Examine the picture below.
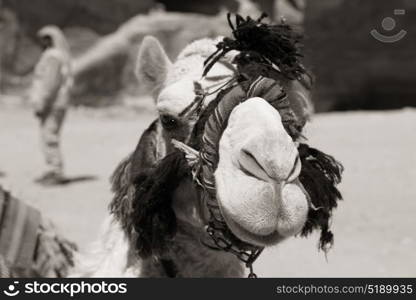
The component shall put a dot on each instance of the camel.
(160, 225)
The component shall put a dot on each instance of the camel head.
(173, 84)
(255, 166)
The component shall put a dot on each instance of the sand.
(374, 226)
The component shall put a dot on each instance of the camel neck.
(190, 258)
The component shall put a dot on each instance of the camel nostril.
(249, 164)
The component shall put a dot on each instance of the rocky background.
(352, 69)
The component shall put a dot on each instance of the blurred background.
(348, 64)
(364, 93)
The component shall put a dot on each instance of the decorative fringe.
(319, 176)
(273, 47)
(153, 217)
(143, 158)
(120, 206)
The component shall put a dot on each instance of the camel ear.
(152, 64)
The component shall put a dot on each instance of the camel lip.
(266, 238)
(254, 238)
(260, 239)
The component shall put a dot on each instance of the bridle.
(220, 236)
(319, 175)
(248, 257)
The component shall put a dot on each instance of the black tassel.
(320, 175)
(276, 47)
(153, 216)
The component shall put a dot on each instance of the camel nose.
(249, 164)
(266, 150)
(256, 174)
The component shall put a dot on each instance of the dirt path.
(374, 227)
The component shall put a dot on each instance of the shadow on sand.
(78, 179)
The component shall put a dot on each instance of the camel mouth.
(261, 240)
(273, 211)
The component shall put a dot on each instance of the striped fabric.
(19, 225)
(29, 244)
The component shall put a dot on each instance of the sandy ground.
(374, 226)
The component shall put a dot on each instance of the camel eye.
(169, 122)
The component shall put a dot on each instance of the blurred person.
(50, 95)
